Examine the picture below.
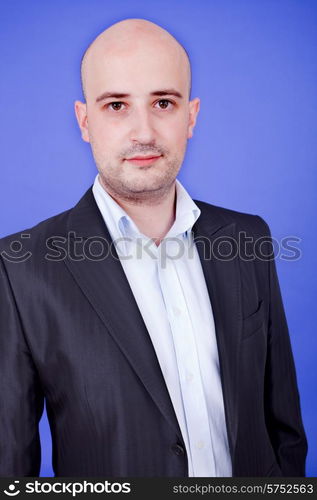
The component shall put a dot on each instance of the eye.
(164, 103)
(115, 106)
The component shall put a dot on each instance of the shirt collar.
(121, 225)
(187, 212)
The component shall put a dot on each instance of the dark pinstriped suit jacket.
(71, 333)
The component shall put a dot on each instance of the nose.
(142, 127)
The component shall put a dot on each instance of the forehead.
(137, 69)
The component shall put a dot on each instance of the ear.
(194, 106)
(81, 115)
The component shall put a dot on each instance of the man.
(158, 351)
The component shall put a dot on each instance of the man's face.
(137, 106)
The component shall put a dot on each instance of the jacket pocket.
(253, 323)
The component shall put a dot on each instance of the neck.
(153, 217)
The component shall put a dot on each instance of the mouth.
(143, 161)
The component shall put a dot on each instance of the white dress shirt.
(170, 289)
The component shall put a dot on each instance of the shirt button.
(177, 311)
(200, 445)
(178, 449)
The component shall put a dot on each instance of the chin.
(144, 187)
(144, 181)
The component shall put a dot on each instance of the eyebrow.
(159, 93)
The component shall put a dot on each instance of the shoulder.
(53, 226)
(57, 225)
(250, 223)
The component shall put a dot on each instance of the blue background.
(254, 148)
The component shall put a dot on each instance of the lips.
(143, 160)
(143, 157)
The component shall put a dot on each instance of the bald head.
(136, 83)
(130, 37)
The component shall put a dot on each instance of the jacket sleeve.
(21, 398)
(282, 402)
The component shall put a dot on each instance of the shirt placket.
(194, 403)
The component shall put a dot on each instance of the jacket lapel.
(212, 236)
(106, 287)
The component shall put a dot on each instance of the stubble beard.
(138, 185)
